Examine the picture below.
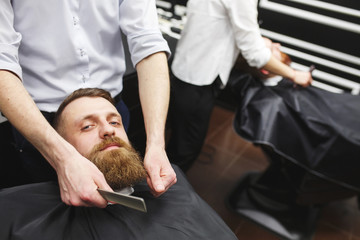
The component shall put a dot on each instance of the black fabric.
(11, 172)
(190, 110)
(272, 208)
(33, 163)
(315, 129)
(35, 211)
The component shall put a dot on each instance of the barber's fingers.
(69, 196)
(303, 79)
(169, 178)
(102, 184)
(86, 196)
(155, 182)
(79, 187)
(160, 179)
(310, 79)
(156, 192)
(149, 182)
(276, 46)
(161, 175)
(91, 196)
(85, 200)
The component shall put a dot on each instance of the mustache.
(116, 141)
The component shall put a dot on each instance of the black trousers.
(190, 110)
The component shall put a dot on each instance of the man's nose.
(107, 131)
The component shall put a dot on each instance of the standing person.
(48, 51)
(215, 33)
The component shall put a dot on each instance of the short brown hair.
(82, 92)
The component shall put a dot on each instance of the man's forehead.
(89, 107)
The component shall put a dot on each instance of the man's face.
(94, 127)
(87, 121)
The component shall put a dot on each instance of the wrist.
(155, 138)
(61, 152)
(155, 144)
(293, 75)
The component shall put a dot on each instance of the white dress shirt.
(57, 46)
(213, 36)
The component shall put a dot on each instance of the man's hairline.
(60, 126)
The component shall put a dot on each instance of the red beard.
(122, 167)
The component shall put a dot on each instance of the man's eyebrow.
(82, 119)
(93, 116)
(113, 114)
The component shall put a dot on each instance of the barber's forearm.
(276, 67)
(302, 78)
(19, 108)
(17, 105)
(154, 88)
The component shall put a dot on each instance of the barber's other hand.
(302, 78)
(78, 181)
(161, 175)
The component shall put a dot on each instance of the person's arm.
(154, 88)
(243, 18)
(78, 177)
(277, 67)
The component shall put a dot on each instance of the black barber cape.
(311, 127)
(35, 211)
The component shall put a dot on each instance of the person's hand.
(161, 175)
(302, 78)
(78, 181)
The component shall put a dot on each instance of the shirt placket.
(80, 43)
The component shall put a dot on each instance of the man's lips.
(110, 146)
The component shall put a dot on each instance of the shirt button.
(75, 20)
(82, 52)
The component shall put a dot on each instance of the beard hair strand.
(122, 167)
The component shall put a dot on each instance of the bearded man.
(90, 122)
(86, 118)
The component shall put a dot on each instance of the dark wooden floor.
(226, 157)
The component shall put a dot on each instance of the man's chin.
(121, 166)
(110, 148)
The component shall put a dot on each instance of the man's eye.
(114, 123)
(86, 127)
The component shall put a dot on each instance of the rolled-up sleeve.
(9, 40)
(139, 22)
(243, 15)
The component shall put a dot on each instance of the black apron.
(35, 211)
(313, 128)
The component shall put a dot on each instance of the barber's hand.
(302, 78)
(78, 180)
(161, 175)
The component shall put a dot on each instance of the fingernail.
(160, 187)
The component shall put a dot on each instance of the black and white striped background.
(324, 33)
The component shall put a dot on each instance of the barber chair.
(312, 162)
(285, 199)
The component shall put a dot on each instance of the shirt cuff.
(146, 45)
